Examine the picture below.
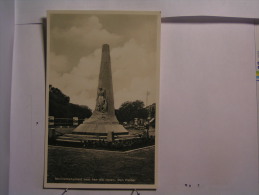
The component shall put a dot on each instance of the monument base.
(100, 124)
(100, 129)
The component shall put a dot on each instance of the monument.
(103, 120)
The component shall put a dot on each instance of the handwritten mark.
(65, 191)
(135, 190)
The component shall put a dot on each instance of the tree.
(130, 110)
(152, 113)
(152, 110)
(59, 106)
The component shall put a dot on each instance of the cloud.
(76, 56)
(59, 63)
(86, 37)
(81, 83)
(136, 91)
(133, 70)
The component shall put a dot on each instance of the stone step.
(84, 136)
(126, 138)
(68, 140)
(78, 138)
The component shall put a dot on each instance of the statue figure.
(101, 103)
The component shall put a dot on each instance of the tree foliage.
(59, 106)
(152, 110)
(130, 110)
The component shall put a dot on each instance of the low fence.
(59, 122)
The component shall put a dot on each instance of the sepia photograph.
(102, 99)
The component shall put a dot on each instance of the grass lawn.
(79, 165)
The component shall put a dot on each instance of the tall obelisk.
(103, 119)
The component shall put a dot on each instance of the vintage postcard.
(102, 96)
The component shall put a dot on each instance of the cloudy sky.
(75, 55)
